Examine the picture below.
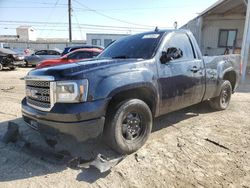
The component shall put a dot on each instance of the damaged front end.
(99, 156)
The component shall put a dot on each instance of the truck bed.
(215, 60)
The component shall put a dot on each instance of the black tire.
(222, 101)
(26, 64)
(128, 126)
(12, 68)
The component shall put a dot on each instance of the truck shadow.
(18, 163)
(180, 115)
(20, 160)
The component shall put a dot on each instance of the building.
(39, 45)
(9, 37)
(26, 38)
(101, 39)
(26, 33)
(224, 27)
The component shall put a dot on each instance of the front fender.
(130, 80)
(111, 85)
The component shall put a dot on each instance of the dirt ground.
(194, 147)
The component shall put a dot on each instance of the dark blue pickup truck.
(119, 93)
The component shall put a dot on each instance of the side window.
(41, 52)
(83, 55)
(73, 55)
(182, 42)
(52, 52)
(80, 55)
(95, 54)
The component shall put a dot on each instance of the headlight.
(71, 91)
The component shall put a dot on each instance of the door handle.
(194, 69)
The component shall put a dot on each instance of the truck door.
(181, 80)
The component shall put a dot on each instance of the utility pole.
(245, 44)
(175, 25)
(70, 29)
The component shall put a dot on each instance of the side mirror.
(171, 54)
(165, 57)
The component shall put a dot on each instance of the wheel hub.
(131, 127)
(225, 96)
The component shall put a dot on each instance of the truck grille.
(38, 94)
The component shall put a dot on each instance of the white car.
(41, 55)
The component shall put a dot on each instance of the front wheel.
(128, 126)
(26, 63)
(222, 101)
(12, 67)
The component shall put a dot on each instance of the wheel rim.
(1, 66)
(225, 96)
(132, 126)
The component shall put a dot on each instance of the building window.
(227, 37)
(96, 42)
(107, 42)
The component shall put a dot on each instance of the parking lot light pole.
(70, 29)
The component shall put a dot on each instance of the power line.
(75, 16)
(61, 24)
(55, 27)
(128, 9)
(107, 16)
(50, 14)
(30, 7)
(35, 2)
(74, 29)
(60, 5)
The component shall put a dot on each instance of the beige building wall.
(26, 33)
(211, 28)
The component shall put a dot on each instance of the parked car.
(19, 56)
(7, 59)
(76, 55)
(72, 48)
(41, 55)
(134, 80)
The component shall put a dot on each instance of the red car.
(76, 55)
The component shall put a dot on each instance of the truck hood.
(80, 69)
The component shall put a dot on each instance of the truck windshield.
(135, 46)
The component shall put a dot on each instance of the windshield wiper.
(120, 57)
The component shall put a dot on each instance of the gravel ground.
(194, 147)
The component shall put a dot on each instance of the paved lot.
(194, 147)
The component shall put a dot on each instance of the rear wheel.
(11, 64)
(128, 126)
(1, 66)
(222, 101)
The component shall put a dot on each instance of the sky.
(50, 17)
